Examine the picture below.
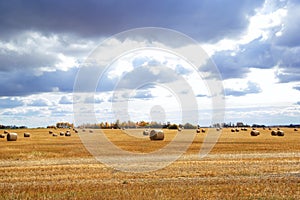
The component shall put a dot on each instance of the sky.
(254, 44)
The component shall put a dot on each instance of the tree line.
(140, 124)
(12, 127)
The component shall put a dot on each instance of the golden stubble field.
(238, 167)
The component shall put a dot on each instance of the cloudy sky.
(255, 45)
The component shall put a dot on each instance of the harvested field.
(238, 167)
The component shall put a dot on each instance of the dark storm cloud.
(261, 54)
(235, 64)
(289, 63)
(204, 20)
(265, 53)
(144, 75)
(94, 78)
(24, 82)
(252, 88)
(34, 34)
(229, 65)
(289, 75)
(290, 34)
(31, 50)
(287, 46)
(11, 60)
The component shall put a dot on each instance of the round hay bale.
(274, 133)
(280, 133)
(295, 129)
(26, 134)
(54, 135)
(50, 132)
(6, 132)
(218, 129)
(91, 131)
(254, 133)
(76, 131)
(2, 135)
(203, 130)
(278, 129)
(12, 137)
(83, 130)
(253, 129)
(198, 131)
(146, 132)
(270, 129)
(68, 133)
(157, 135)
(61, 133)
(232, 130)
(237, 130)
(179, 129)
